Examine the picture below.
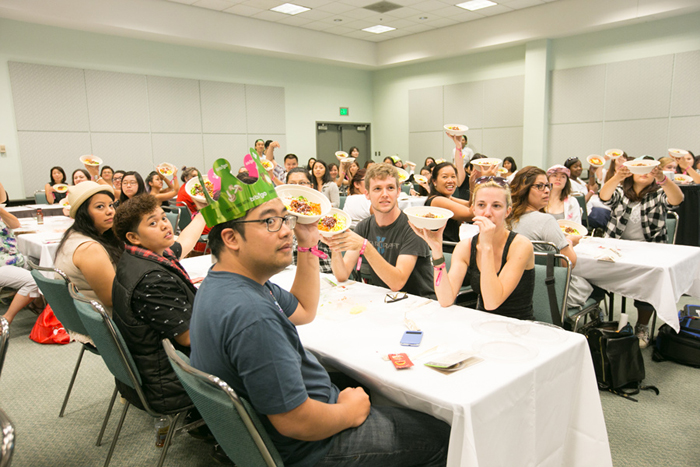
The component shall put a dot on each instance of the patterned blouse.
(9, 254)
(653, 209)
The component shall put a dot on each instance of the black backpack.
(682, 347)
(617, 359)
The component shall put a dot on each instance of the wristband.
(439, 261)
(439, 270)
(362, 252)
(314, 251)
(663, 180)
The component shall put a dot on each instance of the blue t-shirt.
(240, 331)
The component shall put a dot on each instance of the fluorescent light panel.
(290, 9)
(476, 4)
(378, 29)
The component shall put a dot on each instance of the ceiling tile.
(397, 23)
(309, 3)
(265, 4)
(217, 5)
(519, 4)
(357, 34)
(406, 2)
(441, 22)
(359, 3)
(448, 12)
(336, 7)
(359, 24)
(418, 28)
(494, 10)
(339, 30)
(404, 13)
(315, 14)
(317, 26)
(360, 13)
(186, 2)
(268, 15)
(243, 10)
(295, 20)
(429, 5)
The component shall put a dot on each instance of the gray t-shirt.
(399, 239)
(240, 331)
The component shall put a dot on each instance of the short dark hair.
(60, 169)
(142, 186)
(131, 212)
(85, 172)
(216, 243)
(291, 156)
(299, 170)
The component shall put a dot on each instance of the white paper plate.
(595, 160)
(89, 159)
(505, 350)
(191, 184)
(415, 215)
(420, 178)
(641, 166)
(486, 162)
(166, 169)
(614, 153)
(682, 178)
(574, 225)
(339, 214)
(403, 175)
(459, 131)
(544, 333)
(287, 192)
(677, 153)
(60, 188)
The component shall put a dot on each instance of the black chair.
(4, 340)
(7, 446)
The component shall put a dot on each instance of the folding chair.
(584, 211)
(58, 297)
(40, 197)
(118, 359)
(540, 298)
(8, 440)
(672, 231)
(230, 418)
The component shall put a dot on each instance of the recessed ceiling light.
(476, 4)
(290, 9)
(378, 29)
(423, 17)
(337, 20)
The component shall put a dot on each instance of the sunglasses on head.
(500, 181)
(572, 159)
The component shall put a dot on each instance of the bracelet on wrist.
(437, 262)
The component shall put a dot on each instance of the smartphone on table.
(412, 338)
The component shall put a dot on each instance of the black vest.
(158, 380)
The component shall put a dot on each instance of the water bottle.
(39, 216)
(162, 426)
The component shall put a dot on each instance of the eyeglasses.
(500, 181)
(299, 183)
(129, 183)
(274, 224)
(542, 186)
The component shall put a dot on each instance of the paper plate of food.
(502, 170)
(403, 175)
(64, 203)
(89, 159)
(305, 203)
(455, 129)
(60, 188)
(486, 162)
(428, 217)
(420, 178)
(572, 228)
(677, 153)
(439, 161)
(682, 178)
(194, 188)
(166, 169)
(641, 166)
(614, 153)
(333, 223)
(342, 155)
(267, 165)
(595, 160)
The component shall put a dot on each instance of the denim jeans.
(391, 436)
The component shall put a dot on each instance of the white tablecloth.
(532, 401)
(29, 210)
(44, 243)
(657, 273)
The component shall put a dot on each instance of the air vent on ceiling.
(382, 7)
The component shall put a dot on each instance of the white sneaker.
(642, 333)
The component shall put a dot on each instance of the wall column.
(536, 103)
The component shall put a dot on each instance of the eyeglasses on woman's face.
(129, 183)
(542, 186)
(299, 182)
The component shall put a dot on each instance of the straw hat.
(78, 194)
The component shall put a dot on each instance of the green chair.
(185, 216)
(118, 359)
(584, 212)
(406, 188)
(7, 442)
(40, 197)
(540, 298)
(4, 340)
(672, 231)
(58, 297)
(230, 418)
(342, 201)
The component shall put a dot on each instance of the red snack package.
(400, 360)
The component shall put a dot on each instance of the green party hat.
(236, 197)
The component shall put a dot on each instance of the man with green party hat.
(243, 330)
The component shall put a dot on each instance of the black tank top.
(519, 303)
(451, 233)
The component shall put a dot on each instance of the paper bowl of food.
(60, 188)
(305, 203)
(595, 160)
(502, 171)
(89, 159)
(341, 155)
(455, 129)
(641, 166)
(64, 203)
(572, 228)
(347, 160)
(194, 188)
(166, 169)
(486, 162)
(333, 223)
(677, 153)
(420, 178)
(428, 217)
(439, 161)
(267, 165)
(682, 178)
(403, 175)
(614, 153)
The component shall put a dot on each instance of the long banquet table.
(42, 243)
(532, 401)
(29, 210)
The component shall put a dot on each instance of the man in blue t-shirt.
(398, 258)
(243, 331)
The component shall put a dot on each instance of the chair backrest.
(40, 197)
(671, 226)
(230, 418)
(406, 188)
(562, 278)
(185, 216)
(174, 218)
(7, 446)
(342, 202)
(57, 295)
(109, 341)
(4, 340)
(582, 205)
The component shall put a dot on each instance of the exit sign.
(344, 111)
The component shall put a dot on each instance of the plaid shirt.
(653, 209)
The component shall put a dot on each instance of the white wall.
(312, 91)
